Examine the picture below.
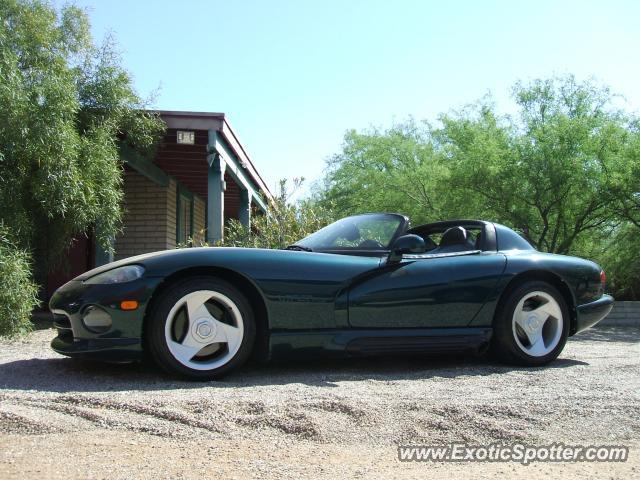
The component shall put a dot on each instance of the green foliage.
(621, 261)
(555, 171)
(283, 225)
(17, 290)
(617, 250)
(395, 171)
(65, 105)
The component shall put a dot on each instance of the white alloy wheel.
(537, 324)
(204, 330)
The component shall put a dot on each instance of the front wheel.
(532, 325)
(201, 328)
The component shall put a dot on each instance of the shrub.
(17, 290)
(284, 224)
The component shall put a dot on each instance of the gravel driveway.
(61, 418)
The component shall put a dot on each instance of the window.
(184, 216)
(364, 232)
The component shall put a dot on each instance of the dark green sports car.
(364, 285)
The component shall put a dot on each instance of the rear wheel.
(201, 328)
(532, 325)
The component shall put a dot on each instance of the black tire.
(156, 342)
(504, 346)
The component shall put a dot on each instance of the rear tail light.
(603, 279)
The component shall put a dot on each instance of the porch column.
(245, 208)
(215, 192)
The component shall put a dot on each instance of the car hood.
(144, 258)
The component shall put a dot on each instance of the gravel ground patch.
(64, 418)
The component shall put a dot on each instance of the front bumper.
(591, 313)
(104, 349)
(122, 341)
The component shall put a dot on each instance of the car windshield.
(363, 232)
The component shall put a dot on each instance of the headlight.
(124, 274)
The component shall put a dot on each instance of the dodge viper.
(364, 285)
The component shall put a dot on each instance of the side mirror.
(406, 244)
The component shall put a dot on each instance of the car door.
(423, 291)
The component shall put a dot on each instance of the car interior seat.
(454, 239)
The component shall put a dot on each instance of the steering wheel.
(370, 244)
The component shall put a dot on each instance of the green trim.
(218, 145)
(178, 217)
(143, 166)
(184, 191)
(191, 210)
(215, 191)
(183, 194)
(244, 213)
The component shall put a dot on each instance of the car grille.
(62, 323)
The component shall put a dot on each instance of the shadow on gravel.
(608, 334)
(71, 375)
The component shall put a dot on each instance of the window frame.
(183, 194)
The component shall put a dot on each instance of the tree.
(65, 106)
(555, 171)
(392, 170)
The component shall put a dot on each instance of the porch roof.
(218, 121)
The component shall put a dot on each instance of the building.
(200, 177)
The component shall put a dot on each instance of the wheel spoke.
(548, 309)
(195, 305)
(538, 347)
(227, 334)
(521, 320)
(184, 352)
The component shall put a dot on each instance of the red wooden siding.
(186, 163)
(231, 198)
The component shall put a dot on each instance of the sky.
(293, 76)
